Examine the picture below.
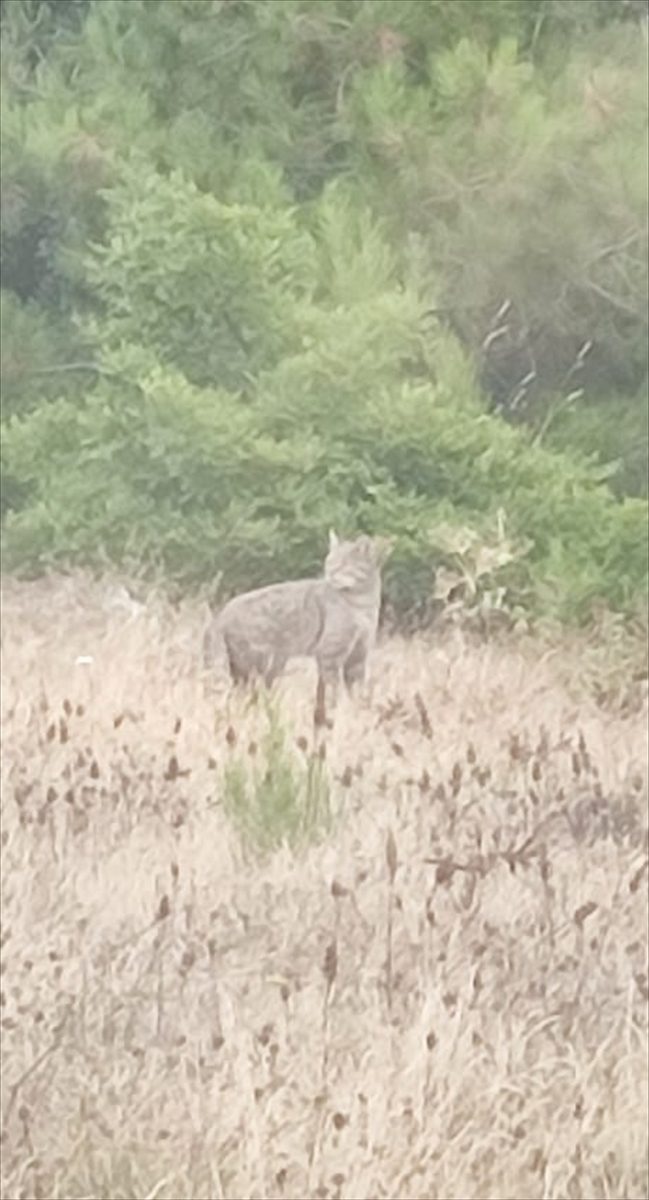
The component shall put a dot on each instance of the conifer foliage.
(374, 264)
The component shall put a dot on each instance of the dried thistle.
(391, 855)
(330, 964)
(426, 725)
(584, 911)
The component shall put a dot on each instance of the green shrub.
(42, 356)
(613, 432)
(53, 172)
(214, 289)
(526, 186)
(268, 265)
(193, 483)
(272, 796)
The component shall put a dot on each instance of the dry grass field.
(434, 987)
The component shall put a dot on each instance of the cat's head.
(356, 563)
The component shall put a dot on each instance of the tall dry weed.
(444, 997)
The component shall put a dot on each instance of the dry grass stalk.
(174, 1019)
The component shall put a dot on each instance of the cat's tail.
(216, 660)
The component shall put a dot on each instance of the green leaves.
(274, 796)
(213, 289)
(196, 483)
(260, 260)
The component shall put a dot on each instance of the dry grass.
(445, 996)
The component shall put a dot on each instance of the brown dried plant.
(182, 1016)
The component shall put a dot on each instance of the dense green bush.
(614, 432)
(269, 268)
(151, 470)
(529, 195)
(42, 355)
(213, 288)
(53, 171)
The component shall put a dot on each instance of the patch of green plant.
(614, 432)
(272, 797)
(243, 307)
(193, 485)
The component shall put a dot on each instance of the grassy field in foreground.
(435, 988)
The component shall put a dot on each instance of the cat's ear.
(333, 539)
(383, 547)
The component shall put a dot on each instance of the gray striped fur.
(332, 619)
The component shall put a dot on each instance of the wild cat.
(333, 619)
